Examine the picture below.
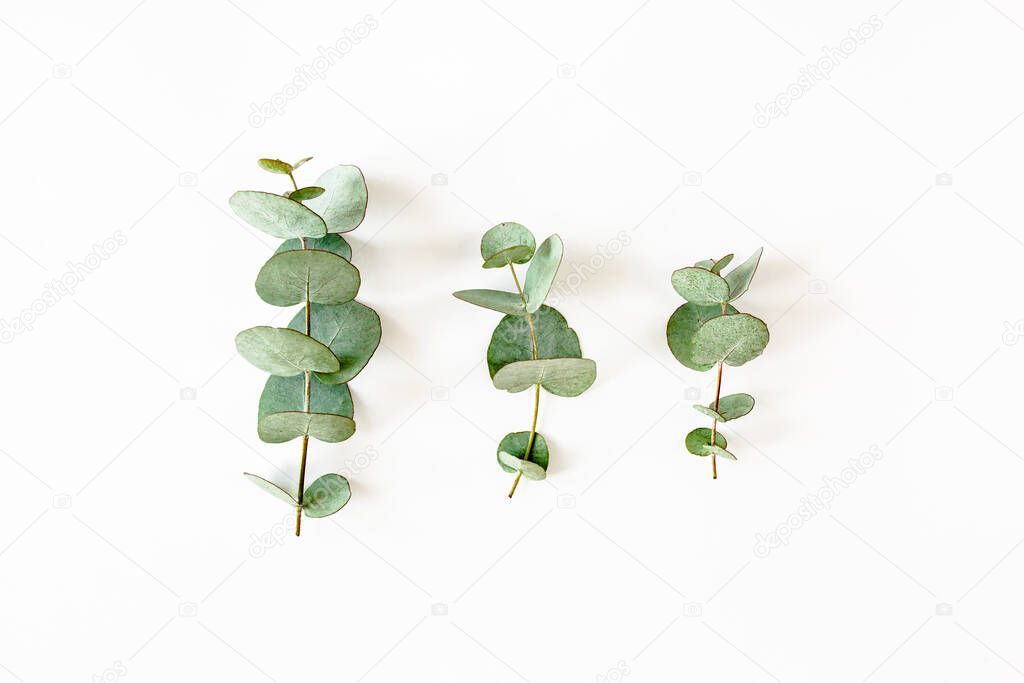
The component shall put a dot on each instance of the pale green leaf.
(289, 277)
(284, 352)
(326, 495)
(721, 263)
(282, 415)
(515, 444)
(503, 302)
(700, 287)
(507, 243)
(740, 276)
(271, 488)
(331, 242)
(352, 332)
(277, 215)
(560, 376)
(729, 407)
(343, 204)
(682, 327)
(709, 411)
(512, 341)
(706, 264)
(733, 339)
(699, 438)
(300, 162)
(719, 451)
(275, 166)
(530, 470)
(541, 273)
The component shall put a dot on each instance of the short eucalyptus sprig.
(533, 344)
(707, 332)
(329, 341)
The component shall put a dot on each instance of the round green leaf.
(503, 302)
(284, 352)
(733, 339)
(682, 327)
(541, 273)
(507, 243)
(700, 287)
(333, 243)
(698, 439)
(271, 488)
(290, 276)
(282, 416)
(735, 405)
(515, 444)
(343, 204)
(560, 376)
(740, 276)
(277, 215)
(512, 342)
(326, 495)
(530, 470)
(352, 332)
(275, 166)
(721, 263)
(304, 193)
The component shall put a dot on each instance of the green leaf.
(300, 162)
(277, 215)
(721, 263)
(331, 242)
(560, 376)
(326, 495)
(682, 327)
(507, 243)
(706, 264)
(700, 287)
(271, 488)
(699, 438)
(733, 339)
(719, 451)
(352, 332)
(503, 302)
(276, 166)
(289, 276)
(541, 273)
(304, 193)
(284, 352)
(282, 416)
(531, 470)
(512, 341)
(709, 411)
(515, 443)
(740, 276)
(343, 204)
(735, 405)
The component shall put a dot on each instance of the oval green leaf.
(326, 495)
(300, 162)
(721, 263)
(282, 415)
(277, 215)
(735, 405)
(740, 276)
(706, 264)
(682, 327)
(719, 451)
(511, 340)
(700, 287)
(271, 488)
(503, 302)
(699, 438)
(732, 339)
(343, 203)
(515, 444)
(351, 331)
(288, 277)
(304, 193)
(561, 376)
(333, 243)
(276, 166)
(541, 273)
(284, 352)
(507, 243)
(530, 470)
(710, 412)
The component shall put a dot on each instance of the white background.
(132, 549)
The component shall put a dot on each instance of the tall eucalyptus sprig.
(533, 345)
(708, 332)
(328, 342)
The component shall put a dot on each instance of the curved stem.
(536, 392)
(307, 389)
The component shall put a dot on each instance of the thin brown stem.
(536, 392)
(306, 394)
(714, 421)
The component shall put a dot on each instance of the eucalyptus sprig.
(708, 332)
(329, 341)
(533, 345)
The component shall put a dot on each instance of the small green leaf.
(300, 162)
(304, 193)
(271, 488)
(732, 339)
(719, 451)
(331, 242)
(326, 495)
(541, 273)
(515, 444)
(290, 276)
(706, 264)
(721, 263)
(507, 243)
(740, 276)
(530, 470)
(343, 204)
(699, 438)
(352, 332)
(282, 415)
(735, 405)
(683, 326)
(277, 215)
(276, 166)
(560, 376)
(709, 411)
(503, 302)
(284, 352)
(700, 287)
(512, 340)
